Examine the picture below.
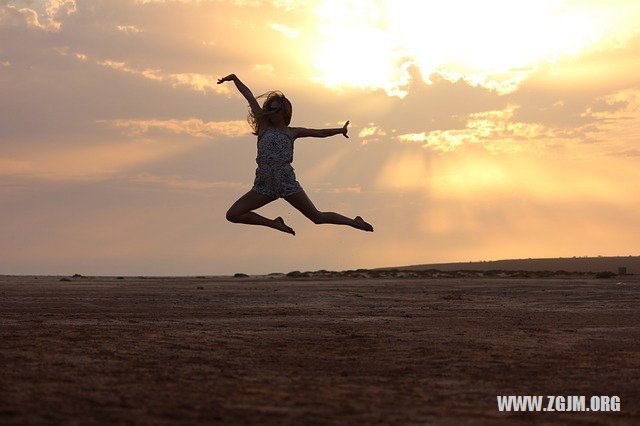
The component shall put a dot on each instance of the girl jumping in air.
(274, 176)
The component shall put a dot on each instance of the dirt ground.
(276, 351)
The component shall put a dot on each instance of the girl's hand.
(230, 77)
(344, 129)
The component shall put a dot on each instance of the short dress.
(274, 175)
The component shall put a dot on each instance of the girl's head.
(275, 109)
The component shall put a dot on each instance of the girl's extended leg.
(301, 201)
(240, 212)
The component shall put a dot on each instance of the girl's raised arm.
(301, 132)
(244, 90)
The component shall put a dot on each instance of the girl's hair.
(268, 108)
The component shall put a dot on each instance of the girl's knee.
(232, 216)
(318, 218)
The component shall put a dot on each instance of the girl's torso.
(275, 147)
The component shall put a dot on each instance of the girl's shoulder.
(291, 132)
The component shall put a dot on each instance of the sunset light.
(477, 130)
(496, 43)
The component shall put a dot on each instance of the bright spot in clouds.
(495, 43)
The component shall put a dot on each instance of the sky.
(479, 131)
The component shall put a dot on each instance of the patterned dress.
(274, 175)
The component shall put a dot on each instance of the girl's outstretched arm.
(244, 90)
(301, 132)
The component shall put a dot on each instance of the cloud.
(495, 44)
(193, 81)
(193, 127)
(284, 4)
(494, 130)
(283, 29)
(196, 81)
(264, 69)
(439, 140)
(569, 93)
(173, 1)
(45, 16)
(12, 16)
(499, 131)
(129, 29)
(347, 190)
(372, 133)
(573, 101)
(289, 4)
(439, 104)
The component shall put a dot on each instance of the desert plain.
(312, 350)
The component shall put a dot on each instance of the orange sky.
(479, 131)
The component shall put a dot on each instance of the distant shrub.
(605, 274)
(294, 274)
(240, 275)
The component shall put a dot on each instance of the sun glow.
(495, 43)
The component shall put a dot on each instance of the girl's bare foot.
(279, 225)
(361, 224)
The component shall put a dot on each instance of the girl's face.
(275, 105)
(276, 117)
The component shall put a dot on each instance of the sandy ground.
(341, 351)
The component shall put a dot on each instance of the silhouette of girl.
(274, 176)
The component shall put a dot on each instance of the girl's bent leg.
(241, 212)
(301, 201)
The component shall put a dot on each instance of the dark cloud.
(442, 105)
